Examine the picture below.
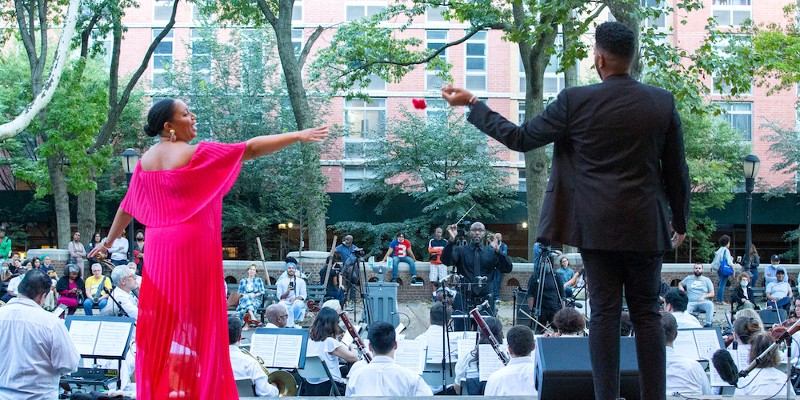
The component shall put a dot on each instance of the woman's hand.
(98, 248)
(313, 135)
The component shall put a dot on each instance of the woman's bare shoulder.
(167, 156)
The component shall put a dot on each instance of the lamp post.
(751, 165)
(129, 159)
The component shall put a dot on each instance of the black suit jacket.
(619, 175)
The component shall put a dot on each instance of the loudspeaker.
(770, 317)
(564, 371)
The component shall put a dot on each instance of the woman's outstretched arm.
(263, 145)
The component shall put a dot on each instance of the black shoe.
(416, 281)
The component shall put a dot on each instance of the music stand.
(98, 337)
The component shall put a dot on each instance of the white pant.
(296, 311)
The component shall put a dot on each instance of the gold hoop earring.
(172, 136)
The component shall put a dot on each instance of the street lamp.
(751, 165)
(129, 160)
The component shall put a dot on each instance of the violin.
(785, 330)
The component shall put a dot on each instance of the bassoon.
(476, 315)
(356, 339)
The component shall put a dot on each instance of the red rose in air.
(419, 104)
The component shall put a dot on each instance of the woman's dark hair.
(569, 321)
(496, 327)
(325, 325)
(95, 235)
(35, 260)
(160, 113)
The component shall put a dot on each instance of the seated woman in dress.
(252, 292)
(467, 367)
(70, 287)
(765, 379)
(323, 342)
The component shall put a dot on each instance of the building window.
(725, 89)
(740, 116)
(521, 180)
(365, 119)
(162, 10)
(297, 41)
(436, 110)
(106, 45)
(436, 40)
(162, 59)
(434, 14)
(731, 12)
(659, 22)
(361, 9)
(376, 83)
(521, 113)
(201, 59)
(354, 177)
(297, 11)
(475, 78)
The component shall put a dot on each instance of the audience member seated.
(47, 268)
(36, 348)
(685, 377)
(566, 274)
(125, 281)
(765, 379)
(467, 367)
(292, 292)
(134, 267)
(699, 289)
(779, 292)
(251, 291)
(383, 376)
(516, 378)
(742, 296)
(432, 337)
(244, 365)
(13, 284)
(70, 288)
(322, 342)
(276, 316)
(334, 286)
(97, 288)
(771, 270)
(675, 302)
(569, 322)
(625, 324)
(12, 270)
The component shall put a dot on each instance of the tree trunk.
(87, 218)
(58, 185)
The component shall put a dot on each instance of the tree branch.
(307, 48)
(268, 14)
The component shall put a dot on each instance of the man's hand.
(453, 231)
(456, 96)
(494, 243)
(677, 238)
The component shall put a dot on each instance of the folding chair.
(245, 388)
(316, 369)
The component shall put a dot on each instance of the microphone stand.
(446, 354)
(121, 311)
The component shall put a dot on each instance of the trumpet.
(284, 381)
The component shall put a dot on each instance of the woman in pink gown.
(176, 192)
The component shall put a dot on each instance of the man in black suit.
(618, 187)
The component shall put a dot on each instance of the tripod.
(543, 271)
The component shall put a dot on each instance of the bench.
(314, 292)
(760, 297)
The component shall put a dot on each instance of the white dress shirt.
(119, 249)
(515, 379)
(685, 376)
(686, 320)
(36, 350)
(432, 338)
(247, 367)
(383, 377)
(466, 368)
(129, 303)
(13, 284)
(764, 382)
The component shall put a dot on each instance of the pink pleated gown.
(182, 331)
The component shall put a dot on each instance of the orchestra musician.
(516, 378)
(467, 372)
(244, 365)
(323, 342)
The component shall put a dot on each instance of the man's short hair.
(439, 314)
(234, 329)
(568, 320)
(520, 340)
(118, 273)
(670, 326)
(381, 337)
(724, 240)
(677, 299)
(35, 283)
(616, 39)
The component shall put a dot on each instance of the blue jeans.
(723, 281)
(754, 275)
(88, 304)
(406, 259)
(705, 306)
(780, 303)
(498, 277)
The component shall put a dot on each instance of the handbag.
(724, 268)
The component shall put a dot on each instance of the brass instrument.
(476, 315)
(356, 339)
(284, 381)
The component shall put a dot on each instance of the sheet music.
(84, 335)
(707, 342)
(411, 354)
(263, 345)
(489, 361)
(716, 380)
(465, 347)
(742, 356)
(287, 351)
(686, 345)
(347, 339)
(112, 338)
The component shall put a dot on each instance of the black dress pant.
(639, 273)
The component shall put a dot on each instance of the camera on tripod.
(359, 252)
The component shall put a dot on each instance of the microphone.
(577, 305)
(723, 363)
(483, 305)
